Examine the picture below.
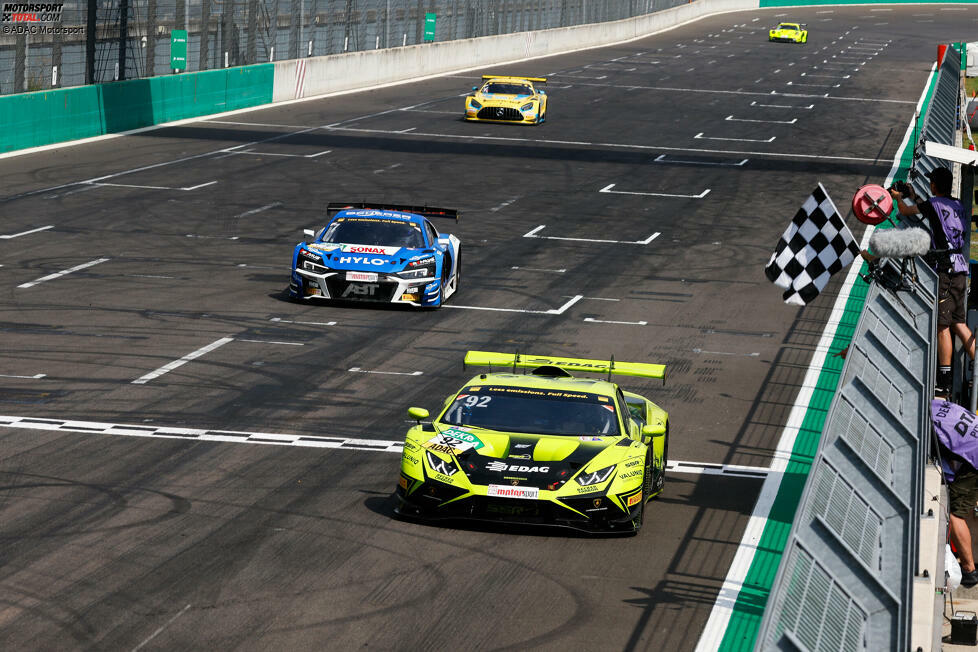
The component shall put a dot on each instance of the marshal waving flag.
(816, 245)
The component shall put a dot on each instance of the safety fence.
(130, 39)
(846, 580)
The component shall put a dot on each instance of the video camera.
(903, 188)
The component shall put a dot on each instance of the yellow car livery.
(789, 33)
(507, 99)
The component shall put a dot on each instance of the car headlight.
(527, 107)
(597, 477)
(421, 272)
(438, 465)
(311, 262)
(474, 104)
(419, 268)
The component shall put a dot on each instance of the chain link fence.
(127, 39)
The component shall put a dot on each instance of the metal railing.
(131, 38)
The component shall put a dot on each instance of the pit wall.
(55, 116)
(45, 117)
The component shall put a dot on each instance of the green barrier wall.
(42, 118)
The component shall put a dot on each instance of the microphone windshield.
(900, 243)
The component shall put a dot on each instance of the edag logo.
(31, 12)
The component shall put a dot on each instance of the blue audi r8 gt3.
(385, 253)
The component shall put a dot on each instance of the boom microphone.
(900, 243)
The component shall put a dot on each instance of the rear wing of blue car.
(333, 208)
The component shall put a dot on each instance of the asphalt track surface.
(242, 500)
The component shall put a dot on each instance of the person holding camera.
(948, 228)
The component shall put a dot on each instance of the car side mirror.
(475, 88)
(308, 232)
(418, 413)
(653, 429)
(543, 92)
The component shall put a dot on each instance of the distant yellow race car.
(789, 33)
(507, 99)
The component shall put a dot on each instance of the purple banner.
(957, 431)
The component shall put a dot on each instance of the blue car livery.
(378, 252)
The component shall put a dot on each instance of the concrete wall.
(330, 74)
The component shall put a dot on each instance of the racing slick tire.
(659, 484)
(646, 486)
(458, 273)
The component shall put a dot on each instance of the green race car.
(789, 33)
(539, 448)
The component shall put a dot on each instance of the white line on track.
(700, 136)
(503, 205)
(51, 277)
(256, 124)
(784, 106)
(533, 234)
(730, 118)
(132, 185)
(17, 235)
(748, 355)
(266, 207)
(305, 323)
(535, 269)
(545, 141)
(34, 377)
(142, 380)
(161, 628)
(254, 153)
(386, 373)
(812, 74)
(310, 441)
(272, 342)
(661, 158)
(552, 311)
(627, 323)
(608, 189)
(815, 85)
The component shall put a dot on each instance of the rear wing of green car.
(521, 361)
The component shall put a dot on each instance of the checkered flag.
(815, 245)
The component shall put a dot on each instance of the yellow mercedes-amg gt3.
(507, 99)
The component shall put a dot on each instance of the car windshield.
(532, 410)
(374, 231)
(507, 89)
(787, 26)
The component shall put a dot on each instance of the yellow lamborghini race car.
(538, 448)
(507, 99)
(789, 33)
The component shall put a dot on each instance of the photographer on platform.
(948, 227)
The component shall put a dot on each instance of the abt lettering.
(364, 289)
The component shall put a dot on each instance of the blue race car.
(385, 253)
